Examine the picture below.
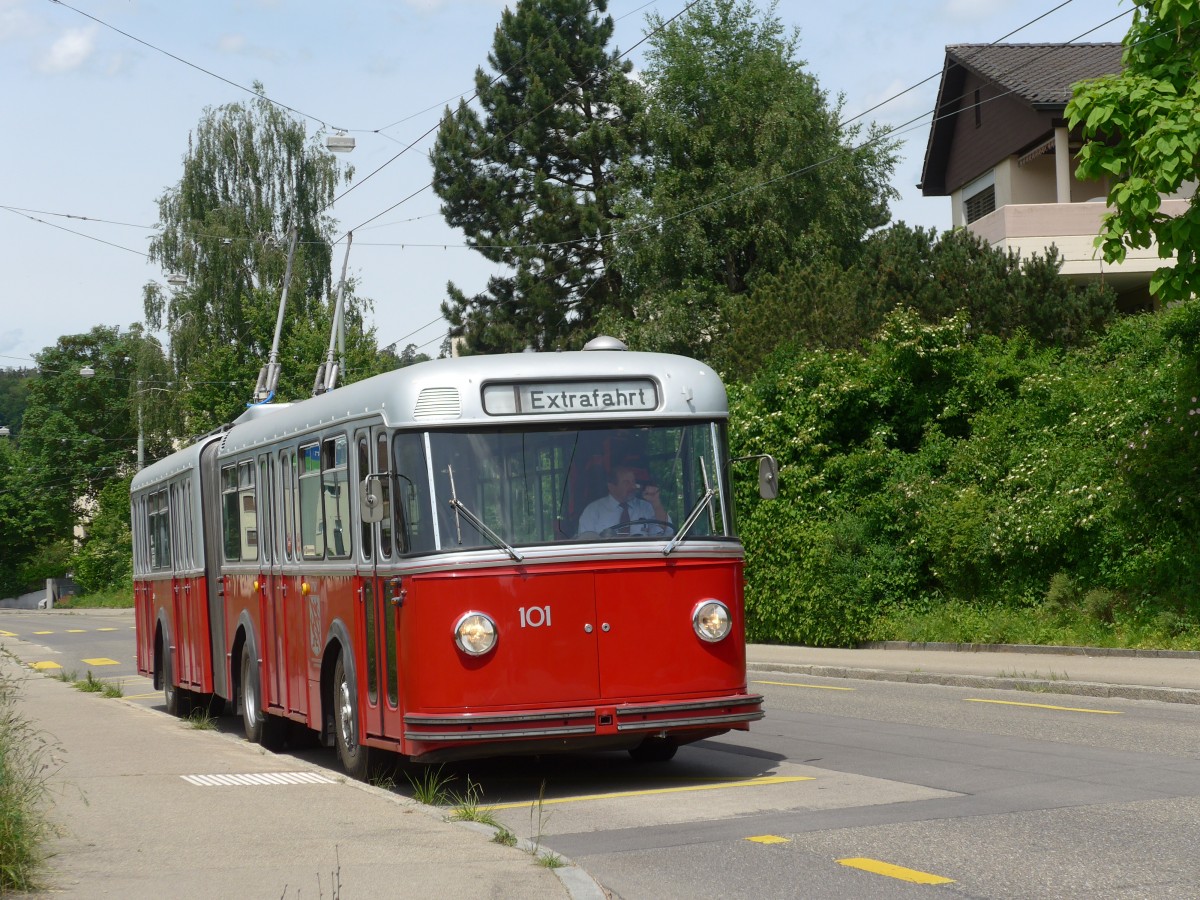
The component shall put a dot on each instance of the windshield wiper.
(701, 505)
(460, 508)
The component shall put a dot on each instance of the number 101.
(535, 616)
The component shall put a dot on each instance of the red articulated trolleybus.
(399, 564)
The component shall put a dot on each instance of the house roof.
(1038, 75)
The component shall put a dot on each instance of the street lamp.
(340, 142)
(88, 372)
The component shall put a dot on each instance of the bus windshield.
(578, 484)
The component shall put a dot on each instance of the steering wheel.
(625, 527)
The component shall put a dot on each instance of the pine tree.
(529, 177)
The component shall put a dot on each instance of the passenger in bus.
(622, 512)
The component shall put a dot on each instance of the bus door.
(182, 638)
(270, 586)
(293, 658)
(382, 589)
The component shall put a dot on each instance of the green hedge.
(934, 471)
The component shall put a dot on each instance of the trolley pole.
(327, 374)
(268, 376)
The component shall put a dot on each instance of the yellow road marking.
(43, 666)
(76, 630)
(882, 868)
(143, 696)
(8, 634)
(769, 839)
(101, 661)
(1099, 712)
(106, 629)
(819, 687)
(753, 782)
(43, 632)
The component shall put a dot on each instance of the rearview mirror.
(370, 500)
(768, 477)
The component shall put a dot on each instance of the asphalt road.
(846, 789)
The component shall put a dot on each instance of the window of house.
(979, 205)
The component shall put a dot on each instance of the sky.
(97, 124)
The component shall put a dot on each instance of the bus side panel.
(144, 623)
(294, 652)
(331, 598)
(193, 640)
(241, 596)
(545, 653)
(651, 650)
(160, 604)
(209, 591)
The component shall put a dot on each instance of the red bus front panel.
(581, 657)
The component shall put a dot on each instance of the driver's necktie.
(624, 520)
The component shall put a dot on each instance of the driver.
(622, 510)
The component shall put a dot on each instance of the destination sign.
(557, 398)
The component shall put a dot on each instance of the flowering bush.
(934, 469)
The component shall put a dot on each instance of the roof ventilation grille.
(438, 403)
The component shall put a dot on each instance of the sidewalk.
(138, 821)
(151, 808)
(1140, 675)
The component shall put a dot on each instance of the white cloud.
(10, 340)
(232, 43)
(70, 51)
(15, 20)
(237, 45)
(974, 10)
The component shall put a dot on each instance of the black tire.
(355, 758)
(174, 697)
(654, 749)
(261, 728)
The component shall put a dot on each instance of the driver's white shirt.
(606, 513)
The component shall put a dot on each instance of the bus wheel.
(654, 749)
(260, 728)
(175, 699)
(355, 758)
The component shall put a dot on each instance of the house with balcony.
(1001, 150)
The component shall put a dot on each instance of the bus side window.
(364, 469)
(385, 525)
(414, 516)
(335, 480)
(248, 506)
(312, 525)
(231, 515)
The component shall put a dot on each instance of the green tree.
(80, 432)
(24, 519)
(748, 171)
(411, 356)
(529, 177)
(250, 176)
(105, 560)
(822, 304)
(1140, 130)
(14, 388)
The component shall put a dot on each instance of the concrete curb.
(578, 883)
(1050, 650)
(983, 682)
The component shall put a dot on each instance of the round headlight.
(475, 634)
(711, 621)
